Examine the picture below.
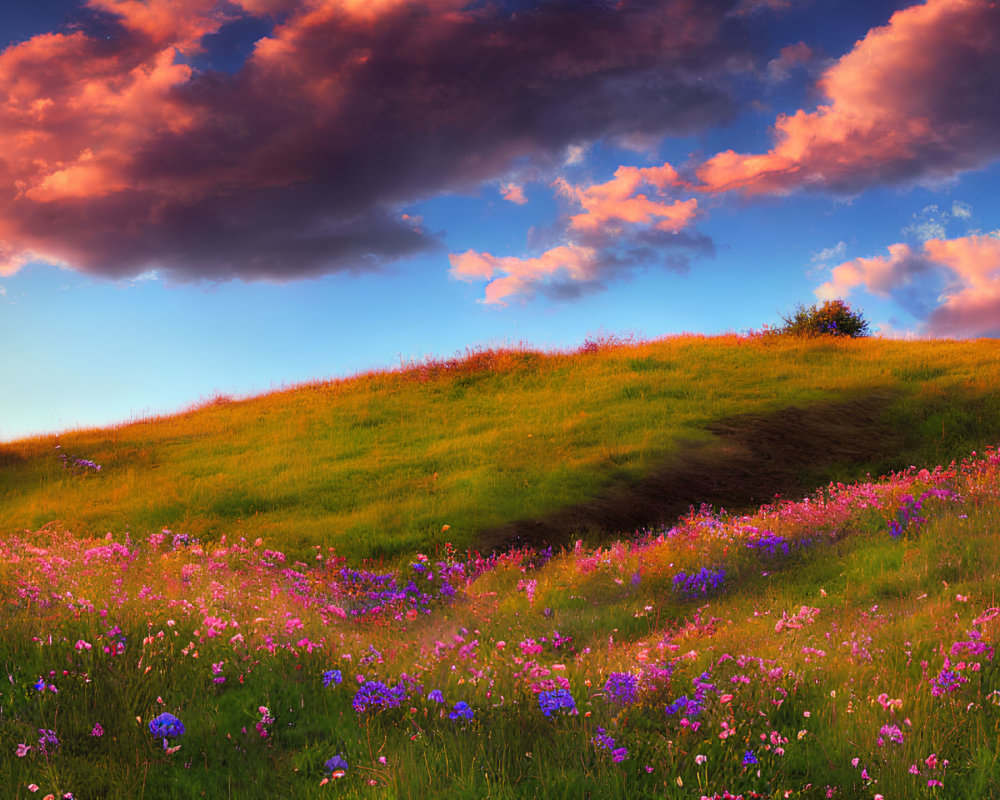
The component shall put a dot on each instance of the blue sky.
(233, 197)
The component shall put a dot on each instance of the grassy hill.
(501, 442)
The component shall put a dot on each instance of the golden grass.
(376, 464)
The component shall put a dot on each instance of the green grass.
(376, 465)
(878, 615)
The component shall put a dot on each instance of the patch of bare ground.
(754, 458)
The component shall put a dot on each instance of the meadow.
(838, 642)
(376, 464)
(842, 645)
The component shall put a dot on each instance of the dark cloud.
(126, 159)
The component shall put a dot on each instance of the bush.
(833, 318)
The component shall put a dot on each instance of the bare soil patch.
(755, 458)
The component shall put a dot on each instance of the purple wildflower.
(621, 688)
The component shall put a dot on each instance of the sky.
(203, 197)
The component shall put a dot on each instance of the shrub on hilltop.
(832, 318)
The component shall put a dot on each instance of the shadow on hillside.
(754, 458)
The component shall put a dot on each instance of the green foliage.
(832, 318)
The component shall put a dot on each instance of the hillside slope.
(378, 464)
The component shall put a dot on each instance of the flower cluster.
(691, 707)
(77, 463)
(908, 514)
(621, 688)
(265, 720)
(556, 700)
(47, 740)
(605, 742)
(375, 695)
(166, 726)
(771, 545)
(700, 583)
(337, 766)
(891, 734)
(333, 676)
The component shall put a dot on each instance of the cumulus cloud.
(619, 229)
(915, 100)
(953, 285)
(120, 158)
(608, 205)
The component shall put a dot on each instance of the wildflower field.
(841, 645)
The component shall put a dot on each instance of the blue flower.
(556, 700)
(749, 758)
(338, 762)
(166, 726)
(332, 676)
(690, 708)
(436, 696)
(461, 711)
(772, 545)
(700, 583)
(375, 694)
(621, 688)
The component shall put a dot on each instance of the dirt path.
(755, 458)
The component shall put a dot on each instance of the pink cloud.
(513, 193)
(957, 281)
(120, 157)
(176, 23)
(916, 99)
(620, 229)
(607, 205)
(521, 276)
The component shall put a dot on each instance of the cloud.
(513, 193)
(789, 58)
(915, 100)
(620, 229)
(617, 201)
(120, 158)
(961, 210)
(565, 264)
(751, 7)
(574, 154)
(930, 223)
(952, 285)
(828, 253)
